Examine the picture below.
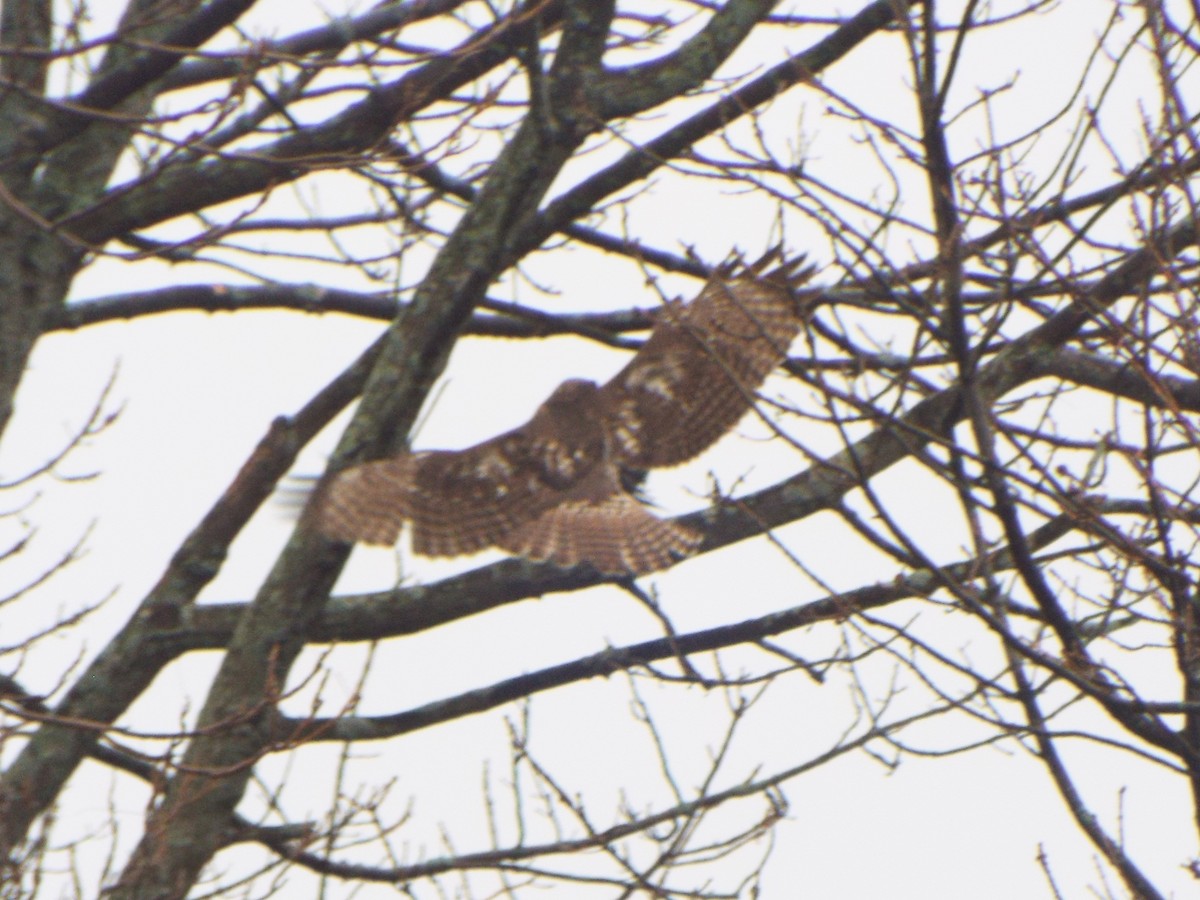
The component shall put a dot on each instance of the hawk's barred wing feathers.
(552, 489)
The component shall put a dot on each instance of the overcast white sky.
(196, 392)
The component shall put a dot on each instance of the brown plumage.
(552, 489)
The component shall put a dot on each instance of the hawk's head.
(574, 393)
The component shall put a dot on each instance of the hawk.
(562, 487)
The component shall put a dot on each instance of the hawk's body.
(553, 488)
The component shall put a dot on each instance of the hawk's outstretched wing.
(696, 375)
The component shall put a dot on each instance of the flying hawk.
(561, 486)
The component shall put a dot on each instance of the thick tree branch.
(128, 663)
(179, 189)
(65, 119)
(192, 822)
(626, 92)
(339, 33)
(641, 162)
